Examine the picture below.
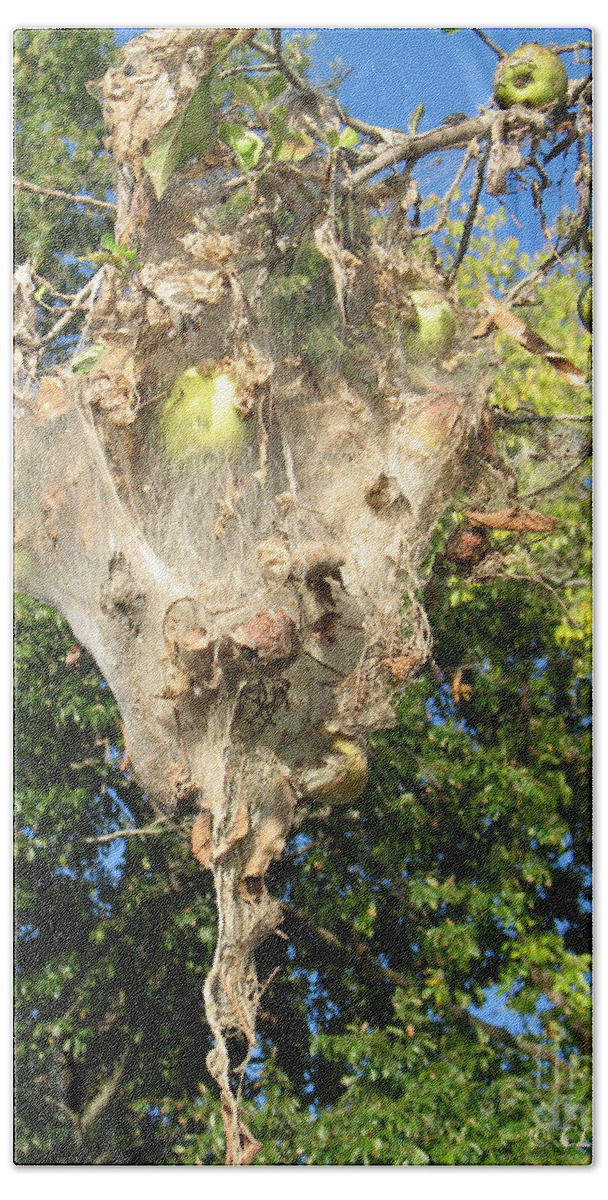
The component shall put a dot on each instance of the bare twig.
(374, 131)
(571, 48)
(471, 214)
(412, 147)
(153, 830)
(24, 186)
(42, 282)
(540, 582)
(502, 418)
(275, 55)
(484, 37)
(548, 487)
(70, 312)
(555, 256)
(444, 206)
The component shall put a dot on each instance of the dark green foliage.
(108, 966)
(58, 145)
(465, 865)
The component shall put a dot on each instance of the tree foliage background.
(463, 869)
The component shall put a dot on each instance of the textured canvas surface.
(303, 366)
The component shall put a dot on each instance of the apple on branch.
(533, 75)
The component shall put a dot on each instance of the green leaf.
(247, 146)
(275, 85)
(294, 147)
(416, 118)
(119, 248)
(190, 134)
(83, 363)
(343, 140)
(348, 138)
(250, 92)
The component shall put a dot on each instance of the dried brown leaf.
(520, 520)
(460, 691)
(401, 666)
(508, 322)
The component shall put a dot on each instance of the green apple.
(200, 416)
(585, 306)
(532, 75)
(432, 330)
(342, 777)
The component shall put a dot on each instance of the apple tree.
(236, 438)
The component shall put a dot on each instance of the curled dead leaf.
(72, 659)
(460, 691)
(401, 666)
(519, 520)
(508, 322)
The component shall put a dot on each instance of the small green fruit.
(200, 417)
(431, 332)
(343, 776)
(532, 75)
(585, 306)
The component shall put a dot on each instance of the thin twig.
(374, 131)
(412, 147)
(502, 418)
(23, 185)
(572, 48)
(146, 831)
(471, 214)
(275, 55)
(42, 282)
(444, 206)
(74, 308)
(540, 582)
(556, 256)
(560, 478)
(484, 37)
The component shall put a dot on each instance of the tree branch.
(412, 147)
(93, 1110)
(471, 214)
(153, 830)
(484, 37)
(24, 186)
(70, 312)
